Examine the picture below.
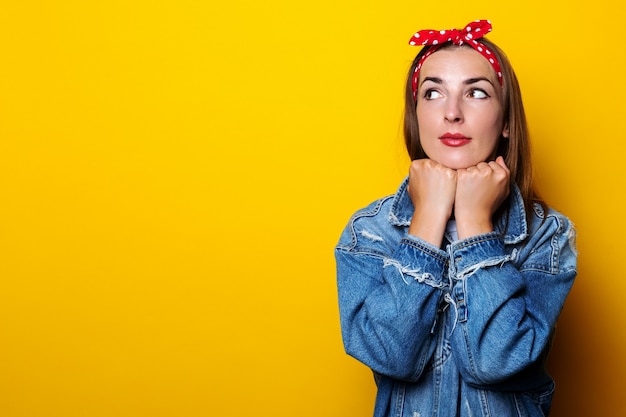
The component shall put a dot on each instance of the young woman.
(450, 289)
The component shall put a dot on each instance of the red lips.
(454, 139)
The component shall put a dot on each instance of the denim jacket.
(462, 330)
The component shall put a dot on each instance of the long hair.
(515, 149)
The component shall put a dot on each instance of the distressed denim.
(461, 330)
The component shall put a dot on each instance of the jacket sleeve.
(388, 305)
(508, 305)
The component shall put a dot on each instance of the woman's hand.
(480, 190)
(432, 189)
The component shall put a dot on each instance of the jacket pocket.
(535, 403)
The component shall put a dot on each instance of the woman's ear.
(505, 131)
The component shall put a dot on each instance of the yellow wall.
(174, 175)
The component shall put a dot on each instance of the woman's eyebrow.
(477, 79)
(433, 79)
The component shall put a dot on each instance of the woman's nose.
(453, 111)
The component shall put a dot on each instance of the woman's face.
(459, 108)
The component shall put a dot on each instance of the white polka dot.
(412, 43)
(435, 42)
(443, 32)
(480, 49)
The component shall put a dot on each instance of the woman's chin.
(458, 164)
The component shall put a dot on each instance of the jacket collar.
(511, 224)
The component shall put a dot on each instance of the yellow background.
(174, 175)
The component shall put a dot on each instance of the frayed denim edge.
(416, 274)
(470, 270)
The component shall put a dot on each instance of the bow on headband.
(468, 35)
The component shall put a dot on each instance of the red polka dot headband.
(435, 38)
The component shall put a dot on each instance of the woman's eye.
(431, 94)
(476, 93)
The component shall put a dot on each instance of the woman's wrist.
(468, 227)
(429, 228)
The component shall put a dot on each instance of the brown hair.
(515, 149)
